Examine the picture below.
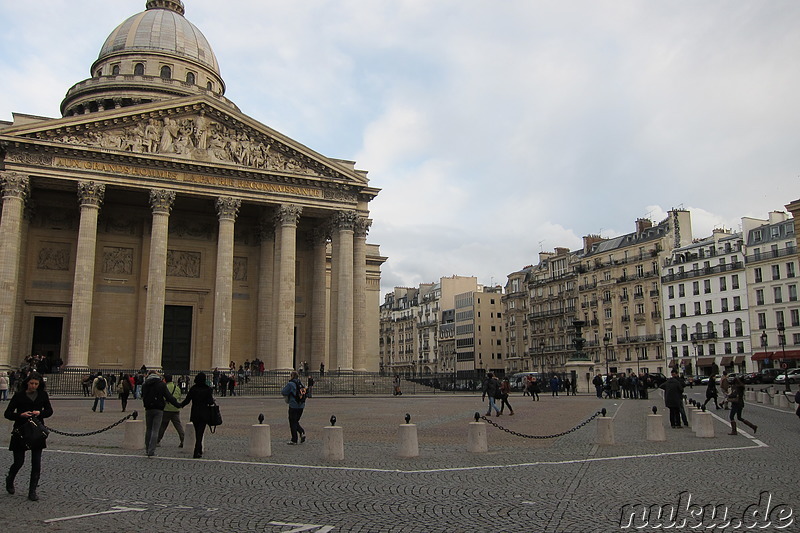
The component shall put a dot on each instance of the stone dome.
(152, 56)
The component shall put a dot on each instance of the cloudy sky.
(495, 129)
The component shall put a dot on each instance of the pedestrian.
(223, 384)
(232, 384)
(86, 383)
(673, 395)
(293, 393)
(535, 389)
(736, 399)
(99, 386)
(566, 385)
(491, 388)
(526, 387)
(154, 397)
(505, 390)
(615, 386)
(31, 401)
(138, 382)
(711, 391)
(201, 396)
(321, 369)
(725, 387)
(3, 386)
(172, 413)
(396, 385)
(310, 385)
(555, 384)
(124, 390)
(598, 385)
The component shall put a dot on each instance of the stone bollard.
(703, 424)
(134, 435)
(476, 441)
(655, 428)
(605, 431)
(260, 444)
(333, 443)
(783, 401)
(690, 410)
(407, 444)
(762, 397)
(749, 395)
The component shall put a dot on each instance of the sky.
(495, 129)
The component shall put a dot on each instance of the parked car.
(748, 378)
(767, 375)
(793, 376)
(657, 378)
(704, 380)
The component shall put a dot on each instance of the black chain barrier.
(115, 424)
(517, 434)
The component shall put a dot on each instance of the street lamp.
(764, 343)
(606, 343)
(694, 366)
(784, 364)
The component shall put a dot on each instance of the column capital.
(319, 235)
(14, 185)
(228, 208)
(362, 226)
(344, 220)
(91, 193)
(161, 201)
(288, 214)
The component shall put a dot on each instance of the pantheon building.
(156, 224)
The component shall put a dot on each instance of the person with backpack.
(154, 397)
(99, 386)
(295, 394)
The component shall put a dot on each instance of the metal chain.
(517, 434)
(133, 414)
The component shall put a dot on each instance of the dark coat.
(673, 392)
(155, 394)
(21, 403)
(200, 396)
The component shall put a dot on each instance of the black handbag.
(34, 433)
(214, 417)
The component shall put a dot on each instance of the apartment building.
(706, 318)
(515, 306)
(479, 336)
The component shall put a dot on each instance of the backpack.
(101, 383)
(300, 392)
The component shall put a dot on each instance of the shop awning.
(705, 361)
(790, 354)
(760, 356)
(738, 359)
(726, 360)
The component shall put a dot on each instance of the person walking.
(232, 384)
(292, 393)
(505, 391)
(172, 413)
(491, 388)
(124, 390)
(396, 385)
(3, 386)
(736, 399)
(711, 391)
(154, 397)
(598, 385)
(200, 395)
(99, 386)
(555, 384)
(31, 401)
(725, 387)
(535, 389)
(673, 395)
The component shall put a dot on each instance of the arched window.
(209, 86)
(684, 332)
(673, 334)
(710, 328)
(138, 69)
(739, 328)
(166, 72)
(726, 328)
(98, 73)
(115, 70)
(190, 78)
(698, 328)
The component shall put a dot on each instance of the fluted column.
(319, 307)
(360, 292)
(287, 218)
(265, 334)
(344, 318)
(227, 209)
(90, 195)
(333, 298)
(16, 188)
(161, 203)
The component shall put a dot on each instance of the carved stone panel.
(117, 260)
(239, 269)
(54, 256)
(182, 264)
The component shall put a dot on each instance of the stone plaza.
(560, 484)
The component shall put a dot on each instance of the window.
(735, 281)
(759, 296)
(724, 304)
(727, 347)
(683, 309)
(672, 311)
(762, 321)
(707, 286)
(697, 308)
(190, 78)
(790, 270)
(709, 307)
(115, 70)
(726, 328)
(695, 288)
(670, 292)
(138, 69)
(684, 332)
(737, 303)
(739, 331)
(639, 309)
(681, 291)
(640, 270)
(673, 334)
(792, 293)
(776, 272)
(608, 312)
(723, 284)
(757, 274)
(209, 86)
(795, 338)
(777, 294)
(166, 72)
(740, 347)
(712, 349)
(795, 316)
(779, 317)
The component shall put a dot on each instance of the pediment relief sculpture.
(197, 138)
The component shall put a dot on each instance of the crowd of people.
(623, 385)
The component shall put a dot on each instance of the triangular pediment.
(194, 130)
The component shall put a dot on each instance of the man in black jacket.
(154, 397)
(673, 395)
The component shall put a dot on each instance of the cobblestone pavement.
(563, 484)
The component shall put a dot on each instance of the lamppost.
(541, 358)
(764, 344)
(694, 365)
(784, 364)
(606, 343)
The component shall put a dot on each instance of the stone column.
(227, 209)
(161, 203)
(90, 195)
(360, 292)
(319, 296)
(333, 298)
(16, 188)
(344, 318)
(265, 339)
(287, 218)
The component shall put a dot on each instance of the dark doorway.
(177, 345)
(47, 338)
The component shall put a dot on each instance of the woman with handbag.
(29, 406)
(201, 396)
